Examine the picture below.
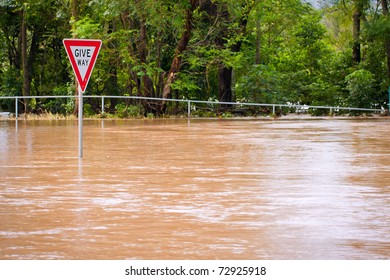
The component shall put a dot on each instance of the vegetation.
(269, 51)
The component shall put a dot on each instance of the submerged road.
(163, 189)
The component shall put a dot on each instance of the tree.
(25, 62)
(361, 86)
(225, 72)
(10, 80)
(358, 10)
(181, 47)
(218, 49)
(385, 9)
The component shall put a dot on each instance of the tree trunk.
(147, 84)
(74, 9)
(181, 47)
(258, 41)
(134, 82)
(159, 79)
(28, 60)
(385, 9)
(225, 73)
(112, 82)
(356, 54)
(225, 84)
(26, 74)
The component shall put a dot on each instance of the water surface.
(163, 189)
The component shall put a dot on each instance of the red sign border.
(68, 43)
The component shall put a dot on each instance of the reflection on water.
(162, 189)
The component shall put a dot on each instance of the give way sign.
(82, 54)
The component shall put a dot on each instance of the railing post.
(189, 109)
(16, 108)
(102, 104)
(273, 110)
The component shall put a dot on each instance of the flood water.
(212, 189)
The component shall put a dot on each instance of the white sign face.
(83, 57)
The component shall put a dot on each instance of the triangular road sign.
(82, 54)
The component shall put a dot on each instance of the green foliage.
(309, 31)
(10, 85)
(289, 52)
(121, 110)
(11, 82)
(204, 113)
(88, 110)
(150, 116)
(227, 115)
(378, 29)
(362, 88)
(54, 106)
(258, 85)
(127, 111)
(185, 84)
(86, 28)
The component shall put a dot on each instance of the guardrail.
(190, 102)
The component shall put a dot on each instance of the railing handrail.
(189, 101)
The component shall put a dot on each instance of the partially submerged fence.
(191, 104)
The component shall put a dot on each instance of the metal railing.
(298, 107)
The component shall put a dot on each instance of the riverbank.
(49, 116)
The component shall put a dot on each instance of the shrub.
(125, 111)
(361, 87)
(88, 110)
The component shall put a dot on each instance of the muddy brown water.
(166, 189)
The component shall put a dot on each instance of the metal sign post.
(82, 55)
(81, 107)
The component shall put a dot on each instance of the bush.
(55, 106)
(362, 89)
(126, 111)
(88, 111)
(10, 85)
